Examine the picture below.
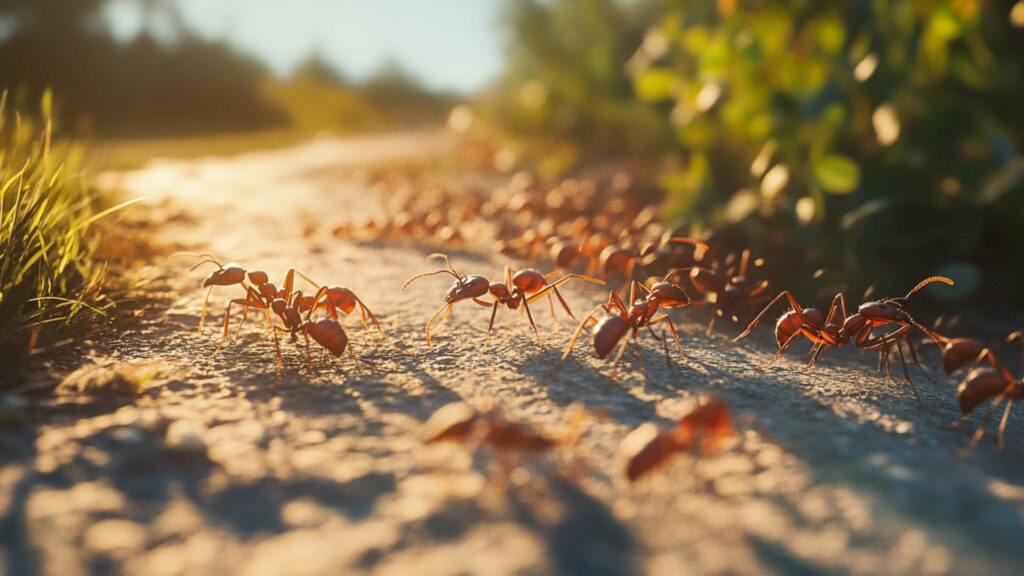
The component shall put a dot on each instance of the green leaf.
(836, 174)
(656, 84)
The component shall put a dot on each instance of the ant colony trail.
(486, 452)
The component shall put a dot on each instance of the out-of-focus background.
(878, 141)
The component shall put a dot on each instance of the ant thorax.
(501, 293)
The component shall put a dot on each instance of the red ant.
(705, 427)
(522, 288)
(327, 332)
(232, 274)
(459, 423)
(615, 259)
(725, 290)
(621, 319)
(824, 331)
(995, 382)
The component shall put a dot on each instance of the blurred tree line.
(877, 139)
(177, 82)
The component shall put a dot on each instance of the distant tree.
(143, 86)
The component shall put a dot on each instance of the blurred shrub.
(317, 98)
(565, 77)
(879, 139)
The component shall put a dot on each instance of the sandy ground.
(223, 467)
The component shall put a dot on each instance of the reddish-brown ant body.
(520, 289)
(704, 428)
(824, 331)
(727, 289)
(993, 382)
(458, 423)
(620, 319)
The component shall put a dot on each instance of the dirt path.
(222, 467)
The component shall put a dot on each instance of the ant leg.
(434, 317)
(1002, 425)
(253, 296)
(782, 349)
(309, 365)
(532, 323)
(373, 318)
(917, 361)
(620, 352)
(815, 352)
(490, 325)
(906, 374)
(447, 315)
(551, 305)
(979, 432)
(579, 330)
(640, 355)
(760, 316)
(227, 321)
(711, 324)
(277, 344)
(675, 332)
(206, 300)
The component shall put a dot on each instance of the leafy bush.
(878, 139)
(47, 273)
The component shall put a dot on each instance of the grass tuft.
(48, 273)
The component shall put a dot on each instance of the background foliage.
(877, 139)
(177, 83)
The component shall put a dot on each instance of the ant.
(522, 288)
(615, 259)
(327, 331)
(621, 319)
(704, 428)
(727, 289)
(457, 422)
(994, 382)
(837, 329)
(231, 274)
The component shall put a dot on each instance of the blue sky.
(448, 44)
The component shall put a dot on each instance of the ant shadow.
(587, 538)
(912, 475)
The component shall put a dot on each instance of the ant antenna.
(431, 258)
(681, 271)
(203, 259)
(922, 284)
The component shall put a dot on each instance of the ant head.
(884, 311)
(467, 287)
(226, 276)
(669, 295)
